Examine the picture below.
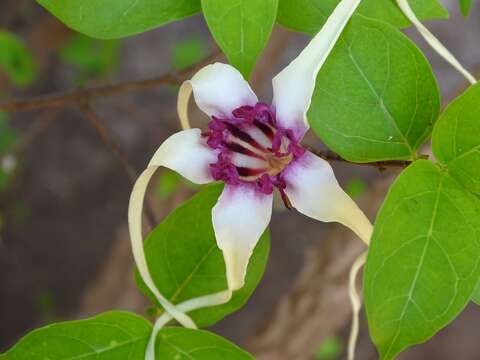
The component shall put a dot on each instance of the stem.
(381, 165)
(84, 95)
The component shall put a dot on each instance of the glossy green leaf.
(180, 343)
(112, 335)
(109, 19)
(476, 295)
(356, 187)
(15, 60)
(310, 15)
(91, 57)
(241, 28)
(423, 262)
(376, 97)
(456, 138)
(466, 6)
(187, 52)
(185, 262)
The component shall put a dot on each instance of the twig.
(85, 95)
(38, 127)
(381, 165)
(107, 138)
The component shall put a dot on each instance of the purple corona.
(252, 149)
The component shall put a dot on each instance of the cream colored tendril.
(434, 42)
(182, 104)
(177, 312)
(135, 226)
(354, 297)
(356, 303)
(197, 303)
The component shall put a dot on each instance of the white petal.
(240, 217)
(242, 160)
(259, 136)
(220, 88)
(434, 42)
(314, 191)
(186, 153)
(293, 86)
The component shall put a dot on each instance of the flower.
(255, 149)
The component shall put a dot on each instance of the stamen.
(267, 130)
(235, 131)
(252, 150)
(264, 184)
(285, 199)
(246, 113)
(246, 172)
(277, 163)
(242, 150)
(263, 113)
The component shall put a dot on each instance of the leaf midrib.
(185, 282)
(94, 351)
(379, 100)
(419, 268)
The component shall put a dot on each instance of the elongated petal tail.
(434, 42)
(314, 191)
(185, 153)
(135, 226)
(293, 86)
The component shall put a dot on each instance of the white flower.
(254, 149)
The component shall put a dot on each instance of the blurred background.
(66, 171)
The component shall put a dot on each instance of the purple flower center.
(252, 148)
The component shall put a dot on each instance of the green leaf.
(330, 349)
(423, 261)
(456, 140)
(476, 295)
(376, 97)
(90, 56)
(310, 15)
(8, 161)
(185, 262)
(168, 182)
(180, 343)
(241, 28)
(466, 6)
(188, 52)
(8, 136)
(15, 60)
(110, 19)
(355, 188)
(112, 335)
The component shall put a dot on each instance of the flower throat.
(252, 148)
